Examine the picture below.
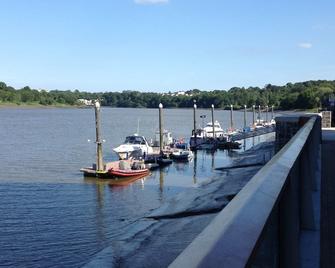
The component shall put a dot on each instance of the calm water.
(49, 214)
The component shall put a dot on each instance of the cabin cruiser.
(131, 144)
(167, 138)
(204, 136)
(181, 152)
(260, 123)
(208, 130)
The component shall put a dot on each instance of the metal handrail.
(231, 238)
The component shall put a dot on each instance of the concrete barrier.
(262, 225)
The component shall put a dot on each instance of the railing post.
(306, 187)
(289, 222)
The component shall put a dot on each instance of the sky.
(165, 45)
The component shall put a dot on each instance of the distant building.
(85, 102)
(178, 93)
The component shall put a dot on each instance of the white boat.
(181, 152)
(260, 123)
(205, 136)
(131, 144)
(167, 138)
(208, 130)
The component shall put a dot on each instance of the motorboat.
(167, 138)
(127, 168)
(116, 170)
(208, 130)
(131, 144)
(181, 152)
(203, 137)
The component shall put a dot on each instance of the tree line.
(302, 95)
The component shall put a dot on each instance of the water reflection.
(195, 161)
(161, 183)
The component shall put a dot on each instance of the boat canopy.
(135, 140)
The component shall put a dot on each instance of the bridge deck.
(328, 198)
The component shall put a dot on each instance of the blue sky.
(162, 45)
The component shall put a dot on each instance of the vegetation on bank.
(304, 95)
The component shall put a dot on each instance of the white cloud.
(150, 2)
(305, 45)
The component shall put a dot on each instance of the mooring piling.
(100, 164)
(259, 113)
(267, 111)
(245, 116)
(253, 115)
(213, 121)
(272, 113)
(160, 106)
(195, 123)
(231, 117)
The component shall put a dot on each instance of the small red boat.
(127, 173)
(127, 168)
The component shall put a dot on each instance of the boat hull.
(127, 173)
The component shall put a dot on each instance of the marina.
(136, 151)
(162, 133)
(85, 214)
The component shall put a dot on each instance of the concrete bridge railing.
(262, 225)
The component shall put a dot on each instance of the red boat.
(127, 173)
(126, 168)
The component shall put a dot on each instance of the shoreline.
(36, 106)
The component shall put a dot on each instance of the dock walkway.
(328, 198)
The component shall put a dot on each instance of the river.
(49, 214)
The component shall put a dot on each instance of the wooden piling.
(213, 121)
(195, 124)
(253, 115)
(272, 113)
(160, 106)
(245, 116)
(267, 111)
(100, 164)
(259, 113)
(231, 117)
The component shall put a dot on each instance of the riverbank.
(7, 105)
(157, 239)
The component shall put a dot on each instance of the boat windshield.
(134, 140)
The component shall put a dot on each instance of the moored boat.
(204, 136)
(131, 144)
(181, 152)
(118, 169)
